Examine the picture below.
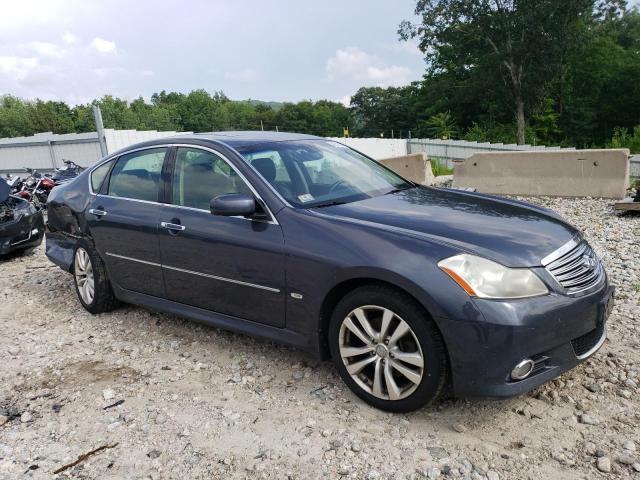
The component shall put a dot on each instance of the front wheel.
(92, 285)
(387, 349)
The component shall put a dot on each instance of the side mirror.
(233, 204)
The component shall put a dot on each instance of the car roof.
(235, 139)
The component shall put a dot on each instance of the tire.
(412, 345)
(88, 265)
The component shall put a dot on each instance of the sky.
(272, 50)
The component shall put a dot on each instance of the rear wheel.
(387, 349)
(92, 285)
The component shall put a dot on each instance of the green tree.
(15, 120)
(380, 111)
(519, 43)
(441, 125)
(622, 138)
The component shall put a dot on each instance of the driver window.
(199, 175)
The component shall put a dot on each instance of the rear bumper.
(60, 249)
(555, 331)
(26, 232)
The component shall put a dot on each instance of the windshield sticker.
(306, 197)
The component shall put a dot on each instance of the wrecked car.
(21, 223)
(300, 239)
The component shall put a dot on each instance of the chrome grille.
(575, 266)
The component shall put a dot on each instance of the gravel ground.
(198, 402)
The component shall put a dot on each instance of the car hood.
(510, 232)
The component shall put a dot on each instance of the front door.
(123, 220)
(228, 265)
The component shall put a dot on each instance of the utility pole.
(97, 116)
(261, 126)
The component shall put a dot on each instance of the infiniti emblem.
(381, 351)
(589, 262)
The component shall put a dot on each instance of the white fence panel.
(635, 165)
(450, 150)
(118, 139)
(46, 151)
(376, 148)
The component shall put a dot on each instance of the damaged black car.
(21, 223)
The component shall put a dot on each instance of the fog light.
(522, 370)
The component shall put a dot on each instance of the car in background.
(21, 223)
(305, 241)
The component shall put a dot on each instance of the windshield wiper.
(328, 204)
(396, 190)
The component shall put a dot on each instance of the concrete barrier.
(414, 167)
(566, 173)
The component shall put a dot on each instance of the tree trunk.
(516, 73)
(520, 120)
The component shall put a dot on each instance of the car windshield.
(317, 173)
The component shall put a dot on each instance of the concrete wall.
(577, 173)
(376, 147)
(413, 167)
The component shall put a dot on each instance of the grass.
(439, 167)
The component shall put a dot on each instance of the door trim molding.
(200, 274)
(223, 279)
(153, 264)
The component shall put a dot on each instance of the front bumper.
(556, 331)
(24, 232)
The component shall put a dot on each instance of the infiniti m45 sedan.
(298, 239)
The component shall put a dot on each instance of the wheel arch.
(347, 285)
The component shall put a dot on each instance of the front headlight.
(480, 277)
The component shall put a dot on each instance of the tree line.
(561, 72)
(196, 111)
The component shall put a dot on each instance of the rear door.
(229, 265)
(123, 220)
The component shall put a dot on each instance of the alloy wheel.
(381, 352)
(84, 276)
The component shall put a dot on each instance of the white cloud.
(147, 73)
(348, 62)
(356, 64)
(69, 38)
(17, 67)
(103, 46)
(246, 75)
(392, 76)
(104, 72)
(47, 49)
(346, 100)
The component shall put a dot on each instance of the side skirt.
(226, 322)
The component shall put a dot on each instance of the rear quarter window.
(99, 174)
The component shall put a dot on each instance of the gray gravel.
(204, 403)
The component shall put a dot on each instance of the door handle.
(172, 226)
(97, 212)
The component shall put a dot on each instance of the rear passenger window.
(137, 175)
(97, 176)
